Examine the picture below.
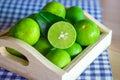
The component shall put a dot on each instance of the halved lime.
(45, 20)
(61, 35)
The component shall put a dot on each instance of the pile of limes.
(57, 32)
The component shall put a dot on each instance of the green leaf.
(45, 20)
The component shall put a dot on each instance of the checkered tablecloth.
(13, 10)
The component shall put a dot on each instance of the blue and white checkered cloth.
(13, 10)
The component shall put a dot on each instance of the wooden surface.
(45, 66)
(111, 18)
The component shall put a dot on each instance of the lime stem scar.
(83, 26)
(63, 35)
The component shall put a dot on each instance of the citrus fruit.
(87, 32)
(45, 20)
(56, 8)
(27, 30)
(61, 35)
(74, 50)
(74, 14)
(59, 57)
(15, 53)
(43, 46)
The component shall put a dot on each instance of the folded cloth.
(13, 10)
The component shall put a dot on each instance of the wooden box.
(39, 68)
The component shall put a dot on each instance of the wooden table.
(111, 18)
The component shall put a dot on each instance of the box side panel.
(81, 62)
(39, 68)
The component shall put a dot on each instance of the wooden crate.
(39, 68)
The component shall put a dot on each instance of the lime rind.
(59, 57)
(74, 50)
(74, 14)
(43, 46)
(56, 8)
(27, 30)
(45, 20)
(87, 32)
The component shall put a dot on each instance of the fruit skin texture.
(62, 35)
(87, 32)
(55, 8)
(74, 50)
(27, 30)
(74, 14)
(43, 46)
(45, 20)
(59, 57)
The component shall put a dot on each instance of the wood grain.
(111, 18)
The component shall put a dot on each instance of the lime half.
(61, 35)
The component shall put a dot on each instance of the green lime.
(45, 20)
(62, 35)
(43, 46)
(74, 50)
(59, 57)
(27, 30)
(56, 8)
(74, 14)
(87, 32)
(15, 53)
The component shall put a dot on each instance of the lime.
(59, 57)
(62, 35)
(27, 30)
(74, 50)
(87, 32)
(45, 20)
(15, 53)
(43, 46)
(56, 8)
(74, 14)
